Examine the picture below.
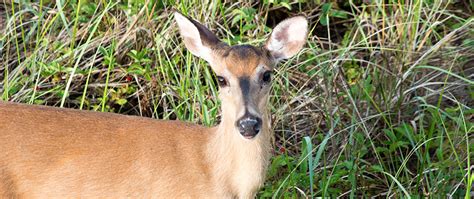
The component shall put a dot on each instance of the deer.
(48, 152)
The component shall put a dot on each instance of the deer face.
(244, 72)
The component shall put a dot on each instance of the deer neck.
(238, 163)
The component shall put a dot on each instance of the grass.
(378, 104)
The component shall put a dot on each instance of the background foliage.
(379, 103)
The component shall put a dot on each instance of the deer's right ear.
(197, 38)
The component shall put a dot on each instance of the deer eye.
(267, 77)
(221, 81)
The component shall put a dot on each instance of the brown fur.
(243, 60)
(65, 153)
(52, 152)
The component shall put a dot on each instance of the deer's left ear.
(287, 38)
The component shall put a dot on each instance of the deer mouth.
(249, 133)
(249, 137)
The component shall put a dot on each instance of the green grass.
(379, 103)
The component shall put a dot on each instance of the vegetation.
(379, 103)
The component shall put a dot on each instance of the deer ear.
(197, 38)
(287, 38)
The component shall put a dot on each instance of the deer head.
(244, 72)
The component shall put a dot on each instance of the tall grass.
(378, 104)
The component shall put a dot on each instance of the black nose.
(249, 126)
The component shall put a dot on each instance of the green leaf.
(339, 14)
(324, 20)
(309, 154)
(325, 14)
(377, 168)
(278, 162)
(248, 27)
(236, 19)
(286, 5)
(121, 102)
(326, 8)
(397, 145)
(390, 134)
(381, 149)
